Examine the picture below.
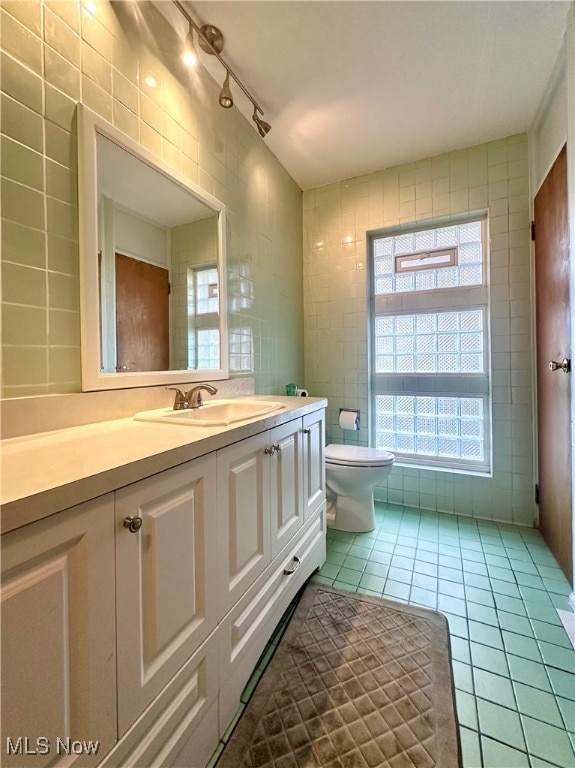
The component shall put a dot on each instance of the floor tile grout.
(514, 583)
(483, 576)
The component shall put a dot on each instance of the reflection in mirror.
(152, 267)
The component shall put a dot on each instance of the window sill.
(487, 473)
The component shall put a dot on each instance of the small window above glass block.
(442, 257)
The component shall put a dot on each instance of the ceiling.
(352, 87)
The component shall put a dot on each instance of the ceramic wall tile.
(491, 176)
(58, 52)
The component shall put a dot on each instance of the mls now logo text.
(22, 745)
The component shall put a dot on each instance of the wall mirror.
(152, 267)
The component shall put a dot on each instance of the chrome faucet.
(194, 395)
(192, 398)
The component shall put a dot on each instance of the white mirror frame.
(89, 125)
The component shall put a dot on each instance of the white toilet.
(352, 472)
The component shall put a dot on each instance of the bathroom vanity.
(144, 569)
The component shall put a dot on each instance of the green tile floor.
(499, 587)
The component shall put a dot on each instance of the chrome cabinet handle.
(564, 365)
(269, 451)
(277, 448)
(307, 431)
(291, 569)
(133, 524)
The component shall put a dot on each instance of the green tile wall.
(55, 53)
(491, 176)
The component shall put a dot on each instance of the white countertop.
(47, 472)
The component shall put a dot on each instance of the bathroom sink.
(212, 414)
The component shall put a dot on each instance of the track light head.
(263, 127)
(190, 54)
(226, 98)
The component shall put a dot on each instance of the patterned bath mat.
(356, 682)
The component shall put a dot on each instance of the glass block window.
(241, 350)
(203, 317)
(207, 296)
(430, 377)
(430, 342)
(435, 427)
(389, 253)
(208, 348)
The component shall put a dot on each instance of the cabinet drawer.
(248, 627)
(169, 723)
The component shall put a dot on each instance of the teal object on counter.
(291, 389)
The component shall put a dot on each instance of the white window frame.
(459, 298)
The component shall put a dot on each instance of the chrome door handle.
(277, 448)
(564, 365)
(133, 524)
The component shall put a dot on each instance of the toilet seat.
(357, 456)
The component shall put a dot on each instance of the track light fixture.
(226, 98)
(211, 41)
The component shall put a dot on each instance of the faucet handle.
(179, 400)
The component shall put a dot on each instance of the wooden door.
(553, 344)
(59, 639)
(142, 316)
(167, 579)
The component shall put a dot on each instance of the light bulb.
(190, 54)
(226, 98)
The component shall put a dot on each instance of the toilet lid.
(358, 456)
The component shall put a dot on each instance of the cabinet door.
(58, 638)
(166, 596)
(313, 461)
(243, 515)
(286, 483)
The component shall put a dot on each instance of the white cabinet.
(313, 461)
(134, 620)
(248, 626)
(265, 485)
(286, 480)
(289, 461)
(243, 519)
(184, 714)
(167, 582)
(58, 638)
